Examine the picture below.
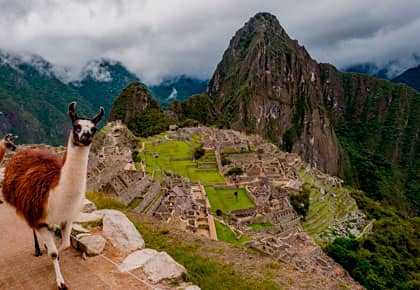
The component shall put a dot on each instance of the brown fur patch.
(28, 179)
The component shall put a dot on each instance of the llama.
(47, 190)
(6, 144)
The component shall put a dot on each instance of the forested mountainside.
(33, 101)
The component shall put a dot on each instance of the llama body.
(47, 190)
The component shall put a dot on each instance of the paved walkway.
(20, 269)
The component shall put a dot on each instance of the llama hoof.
(1, 201)
(38, 253)
(62, 286)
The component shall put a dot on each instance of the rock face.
(156, 265)
(266, 83)
(121, 232)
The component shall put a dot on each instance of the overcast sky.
(156, 38)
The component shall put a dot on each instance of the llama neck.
(74, 170)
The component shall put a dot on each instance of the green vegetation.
(224, 233)
(104, 201)
(261, 226)
(224, 199)
(177, 157)
(388, 257)
(209, 272)
(235, 171)
(300, 202)
(34, 104)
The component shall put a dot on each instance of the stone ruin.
(186, 205)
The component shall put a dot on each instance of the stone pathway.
(20, 269)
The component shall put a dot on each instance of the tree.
(198, 153)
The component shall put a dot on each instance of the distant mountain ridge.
(411, 77)
(177, 88)
(33, 101)
(101, 82)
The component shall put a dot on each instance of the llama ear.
(72, 111)
(98, 117)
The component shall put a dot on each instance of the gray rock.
(88, 206)
(79, 228)
(88, 217)
(162, 266)
(92, 245)
(136, 259)
(120, 231)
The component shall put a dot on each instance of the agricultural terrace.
(177, 157)
(225, 200)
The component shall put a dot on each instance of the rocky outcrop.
(122, 234)
(157, 265)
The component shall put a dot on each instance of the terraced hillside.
(332, 211)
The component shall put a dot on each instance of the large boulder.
(162, 266)
(136, 259)
(120, 231)
(156, 265)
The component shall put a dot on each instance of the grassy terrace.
(224, 199)
(176, 156)
(224, 233)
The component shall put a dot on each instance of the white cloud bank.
(157, 39)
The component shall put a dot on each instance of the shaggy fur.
(30, 176)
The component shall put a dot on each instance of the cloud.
(157, 39)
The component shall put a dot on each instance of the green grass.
(260, 226)
(176, 156)
(224, 199)
(104, 201)
(224, 233)
(135, 202)
(209, 273)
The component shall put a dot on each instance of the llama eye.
(77, 128)
(93, 130)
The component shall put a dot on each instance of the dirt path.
(20, 269)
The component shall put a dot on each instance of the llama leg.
(36, 244)
(65, 236)
(48, 238)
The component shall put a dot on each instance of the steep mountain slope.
(178, 88)
(345, 124)
(102, 80)
(411, 77)
(33, 101)
(139, 110)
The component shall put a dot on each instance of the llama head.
(8, 141)
(83, 128)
